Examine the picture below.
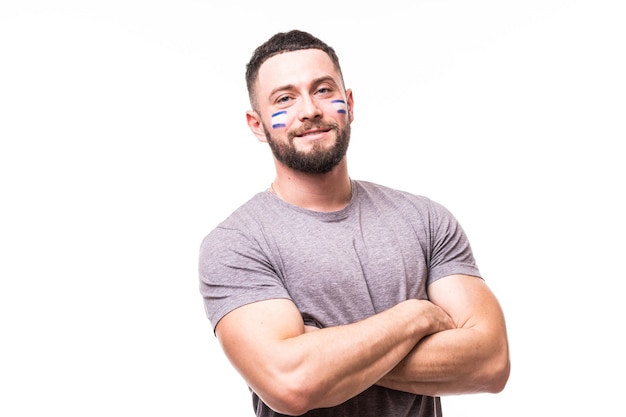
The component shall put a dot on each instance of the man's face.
(305, 110)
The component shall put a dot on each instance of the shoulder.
(398, 198)
(263, 207)
(242, 224)
(414, 208)
(254, 225)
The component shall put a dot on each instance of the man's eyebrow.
(281, 88)
(324, 79)
(316, 81)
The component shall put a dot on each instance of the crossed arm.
(472, 357)
(455, 343)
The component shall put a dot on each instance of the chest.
(341, 272)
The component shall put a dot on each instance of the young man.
(338, 297)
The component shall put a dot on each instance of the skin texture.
(454, 343)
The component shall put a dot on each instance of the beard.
(318, 160)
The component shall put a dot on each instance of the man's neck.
(319, 192)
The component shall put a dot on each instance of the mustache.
(317, 124)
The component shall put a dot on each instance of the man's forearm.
(305, 369)
(457, 361)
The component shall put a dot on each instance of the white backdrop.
(123, 142)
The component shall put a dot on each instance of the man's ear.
(256, 125)
(350, 104)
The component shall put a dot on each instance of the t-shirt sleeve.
(451, 252)
(234, 271)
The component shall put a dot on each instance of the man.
(337, 297)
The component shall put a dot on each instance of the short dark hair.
(281, 42)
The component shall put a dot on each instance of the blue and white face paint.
(340, 106)
(279, 119)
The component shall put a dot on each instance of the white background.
(123, 142)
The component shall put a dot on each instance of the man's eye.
(324, 90)
(284, 99)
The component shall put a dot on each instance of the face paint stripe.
(340, 105)
(279, 119)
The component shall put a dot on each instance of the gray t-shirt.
(384, 247)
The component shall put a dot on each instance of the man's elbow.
(289, 397)
(497, 373)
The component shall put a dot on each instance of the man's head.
(294, 40)
(300, 105)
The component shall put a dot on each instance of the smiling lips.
(311, 134)
(314, 131)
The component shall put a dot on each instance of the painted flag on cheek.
(340, 105)
(279, 119)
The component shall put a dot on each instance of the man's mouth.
(313, 132)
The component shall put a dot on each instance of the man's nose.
(309, 108)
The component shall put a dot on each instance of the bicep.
(249, 335)
(480, 321)
(468, 300)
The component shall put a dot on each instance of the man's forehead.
(296, 63)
